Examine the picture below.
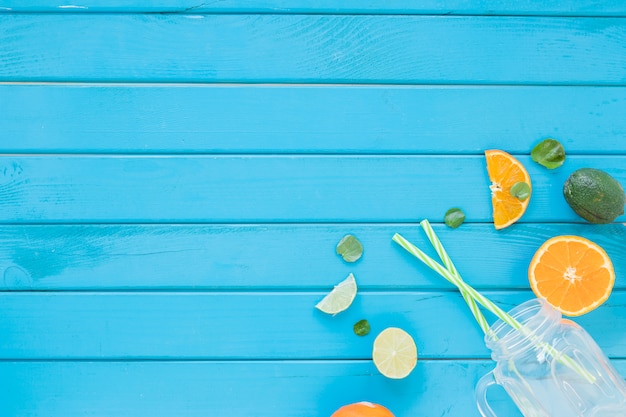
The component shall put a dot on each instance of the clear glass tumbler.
(542, 381)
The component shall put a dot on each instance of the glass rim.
(527, 314)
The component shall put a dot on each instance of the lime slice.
(395, 353)
(340, 297)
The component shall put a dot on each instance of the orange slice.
(572, 274)
(504, 172)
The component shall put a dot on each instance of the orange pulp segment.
(504, 172)
(572, 274)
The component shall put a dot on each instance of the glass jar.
(550, 367)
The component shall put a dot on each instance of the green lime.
(340, 297)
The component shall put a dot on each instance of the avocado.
(594, 195)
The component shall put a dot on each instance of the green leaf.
(454, 217)
(361, 327)
(549, 153)
(520, 190)
(350, 248)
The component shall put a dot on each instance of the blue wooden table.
(175, 175)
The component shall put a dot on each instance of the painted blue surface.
(201, 118)
(172, 188)
(479, 7)
(313, 49)
(271, 188)
(133, 257)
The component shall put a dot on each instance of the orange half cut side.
(572, 274)
(504, 172)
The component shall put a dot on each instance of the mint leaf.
(549, 153)
(520, 190)
(361, 327)
(454, 217)
(350, 248)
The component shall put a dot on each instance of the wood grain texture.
(289, 188)
(88, 118)
(254, 325)
(312, 49)
(174, 177)
(480, 7)
(272, 256)
(240, 389)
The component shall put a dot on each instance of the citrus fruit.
(362, 409)
(594, 195)
(504, 172)
(340, 297)
(572, 274)
(394, 353)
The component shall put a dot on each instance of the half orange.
(572, 274)
(362, 409)
(504, 172)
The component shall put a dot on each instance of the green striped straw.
(447, 262)
(456, 280)
(451, 274)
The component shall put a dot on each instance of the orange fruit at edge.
(572, 274)
(362, 409)
(504, 172)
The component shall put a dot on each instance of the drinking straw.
(452, 275)
(456, 280)
(471, 303)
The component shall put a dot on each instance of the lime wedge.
(395, 353)
(340, 297)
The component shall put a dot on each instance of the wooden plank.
(253, 325)
(297, 119)
(312, 48)
(189, 389)
(44, 189)
(488, 7)
(272, 256)
(239, 389)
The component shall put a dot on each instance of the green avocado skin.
(594, 195)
